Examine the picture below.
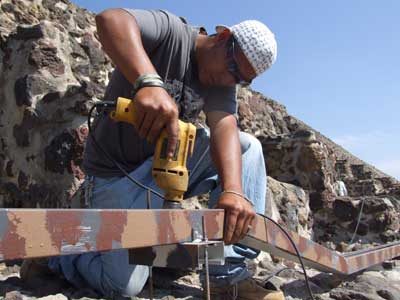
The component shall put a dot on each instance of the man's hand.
(121, 39)
(239, 214)
(155, 110)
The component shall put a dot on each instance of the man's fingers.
(237, 235)
(155, 110)
(230, 226)
(173, 134)
(139, 118)
(155, 130)
(239, 214)
(146, 125)
(245, 228)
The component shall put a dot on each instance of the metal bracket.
(190, 255)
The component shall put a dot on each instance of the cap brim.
(221, 28)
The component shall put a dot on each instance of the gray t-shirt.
(170, 44)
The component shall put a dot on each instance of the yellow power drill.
(171, 175)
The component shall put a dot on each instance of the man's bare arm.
(120, 37)
(227, 156)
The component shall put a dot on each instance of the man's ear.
(224, 35)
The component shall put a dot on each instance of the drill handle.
(124, 111)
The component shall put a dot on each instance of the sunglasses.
(233, 67)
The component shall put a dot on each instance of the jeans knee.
(247, 142)
(128, 285)
(137, 281)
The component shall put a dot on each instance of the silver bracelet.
(237, 194)
(146, 77)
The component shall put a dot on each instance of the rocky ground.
(381, 282)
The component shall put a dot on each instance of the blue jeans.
(110, 273)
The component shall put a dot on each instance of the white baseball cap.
(256, 41)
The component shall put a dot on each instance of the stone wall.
(52, 69)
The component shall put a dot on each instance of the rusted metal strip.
(357, 260)
(28, 233)
(267, 236)
(45, 232)
(189, 255)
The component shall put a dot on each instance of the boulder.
(289, 204)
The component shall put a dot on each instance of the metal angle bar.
(267, 236)
(366, 250)
(372, 256)
(276, 242)
(189, 255)
(277, 251)
(27, 233)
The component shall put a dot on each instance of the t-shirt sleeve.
(221, 98)
(154, 26)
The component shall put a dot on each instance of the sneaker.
(247, 289)
(36, 275)
(33, 269)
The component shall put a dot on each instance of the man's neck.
(203, 43)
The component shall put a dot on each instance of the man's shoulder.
(158, 17)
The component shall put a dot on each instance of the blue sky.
(338, 66)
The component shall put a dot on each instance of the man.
(188, 72)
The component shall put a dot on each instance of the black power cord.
(297, 252)
(104, 107)
(358, 221)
